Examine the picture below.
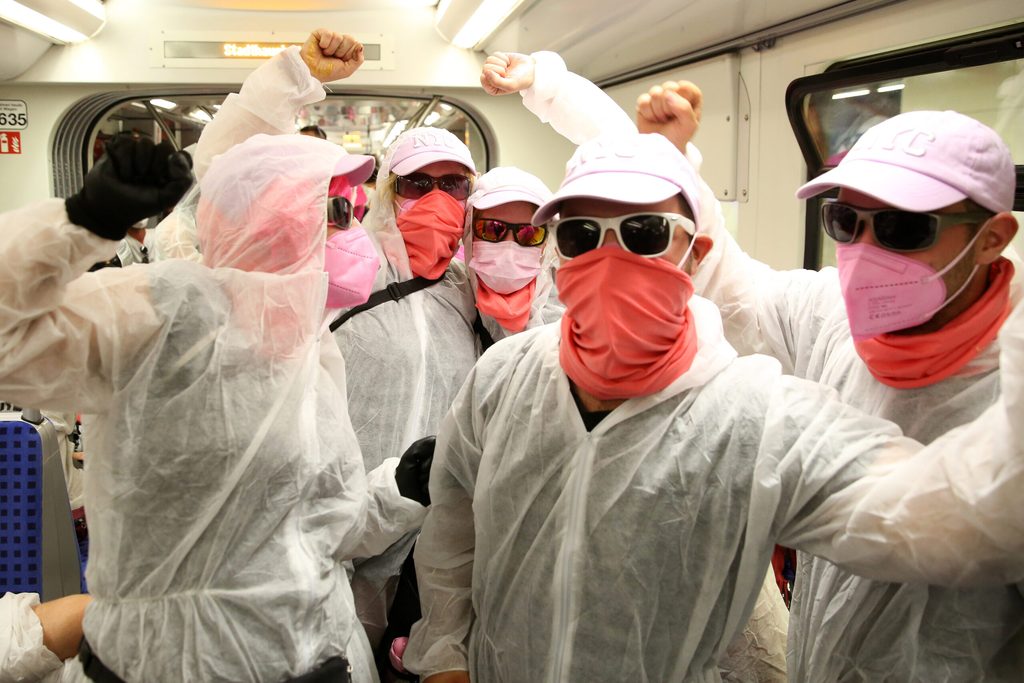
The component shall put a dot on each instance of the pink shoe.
(396, 652)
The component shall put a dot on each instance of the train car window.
(981, 75)
(361, 124)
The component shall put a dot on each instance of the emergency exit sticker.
(13, 115)
(10, 142)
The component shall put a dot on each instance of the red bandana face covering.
(512, 311)
(627, 330)
(431, 228)
(918, 360)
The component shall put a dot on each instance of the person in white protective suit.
(580, 111)
(405, 358)
(606, 493)
(511, 261)
(922, 218)
(224, 479)
(408, 355)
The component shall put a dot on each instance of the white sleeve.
(949, 513)
(576, 108)
(776, 313)
(62, 330)
(23, 657)
(445, 550)
(267, 103)
(389, 515)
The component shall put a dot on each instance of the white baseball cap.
(506, 184)
(638, 168)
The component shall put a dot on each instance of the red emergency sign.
(10, 142)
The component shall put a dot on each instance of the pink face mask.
(505, 267)
(351, 263)
(886, 291)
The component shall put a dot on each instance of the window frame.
(991, 46)
(74, 133)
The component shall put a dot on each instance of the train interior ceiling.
(788, 85)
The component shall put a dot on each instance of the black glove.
(413, 472)
(134, 180)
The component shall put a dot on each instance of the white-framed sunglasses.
(646, 234)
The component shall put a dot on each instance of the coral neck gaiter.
(627, 329)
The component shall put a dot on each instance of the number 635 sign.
(13, 115)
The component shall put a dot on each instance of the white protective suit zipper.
(564, 626)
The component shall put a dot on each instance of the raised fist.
(672, 109)
(507, 72)
(135, 179)
(331, 56)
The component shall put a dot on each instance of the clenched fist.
(507, 72)
(672, 109)
(331, 56)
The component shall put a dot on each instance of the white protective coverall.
(842, 626)
(634, 552)
(545, 307)
(224, 479)
(580, 111)
(405, 360)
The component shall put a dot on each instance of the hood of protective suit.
(262, 204)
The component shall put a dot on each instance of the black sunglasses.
(894, 229)
(415, 185)
(525, 234)
(339, 212)
(644, 234)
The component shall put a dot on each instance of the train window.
(363, 125)
(177, 118)
(980, 75)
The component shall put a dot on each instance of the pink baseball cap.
(506, 184)
(418, 147)
(355, 167)
(633, 169)
(923, 161)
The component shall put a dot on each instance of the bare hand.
(61, 620)
(331, 56)
(448, 677)
(507, 72)
(672, 109)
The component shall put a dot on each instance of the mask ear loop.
(956, 259)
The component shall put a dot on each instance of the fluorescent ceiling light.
(850, 93)
(16, 13)
(163, 104)
(487, 17)
(432, 118)
(93, 7)
(397, 129)
(442, 7)
(891, 87)
(200, 115)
